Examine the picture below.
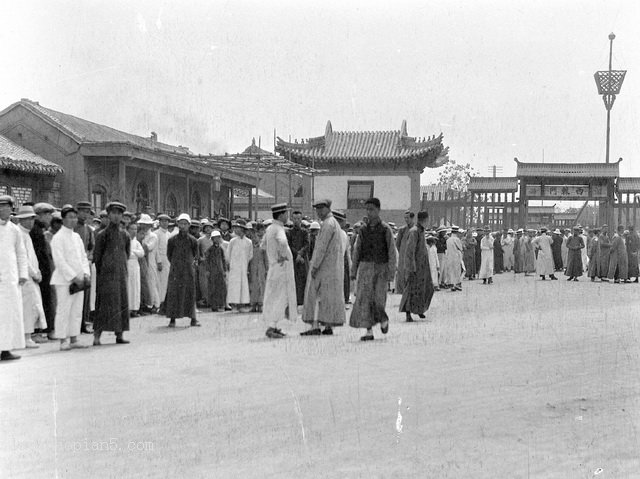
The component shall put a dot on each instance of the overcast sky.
(500, 79)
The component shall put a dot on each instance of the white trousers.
(68, 312)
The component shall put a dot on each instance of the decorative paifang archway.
(196, 205)
(171, 205)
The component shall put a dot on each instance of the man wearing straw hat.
(13, 274)
(280, 287)
(32, 310)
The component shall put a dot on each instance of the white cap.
(215, 234)
(314, 226)
(145, 219)
(185, 217)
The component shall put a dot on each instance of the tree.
(456, 176)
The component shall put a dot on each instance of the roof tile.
(15, 157)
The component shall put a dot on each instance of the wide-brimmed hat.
(267, 222)
(556, 232)
(340, 215)
(25, 212)
(455, 228)
(41, 208)
(279, 208)
(162, 216)
(510, 231)
(322, 203)
(216, 234)
(224, 220)
(116, 205)
(314, 225)
(519, 230)
(184, 217)
(240, 223)
(195, 223)
(6, 199)
(145, 219)
(68, 209)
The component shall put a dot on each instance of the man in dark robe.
(374, 264)
(594, 254)
(633, 247)
(44, 212)
(110, 256)
(298, 239)
(216, 267)
(418, 290)
(441, 247)
(182, 251)
(86, 234)
(556, 249)
(618, 261)
(574, 244)
(498, 254)
(604, 244)
(401, 237)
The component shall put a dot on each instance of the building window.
(97, 197)
(142, 197)
(357, 193)
(20, 195)
(196, 205)
(171, 205)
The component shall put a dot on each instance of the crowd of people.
(66, 270)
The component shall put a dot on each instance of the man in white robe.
(14, 272)
(544, 261)
(133, 271)
(71, 268)
(280, 287)
(486, 255)
(453, 264)
(239, 252)
(32, 309)
(163, 264)
(507, 246)
(150, 244)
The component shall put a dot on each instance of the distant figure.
(575, 245)
(400, 244)
(618, 261)
(486, 247)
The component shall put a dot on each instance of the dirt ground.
(519, 379)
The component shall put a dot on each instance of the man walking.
(71, 278)
(182, 251)
(13, 274)
(324, 295)
(374, 264)
(400, 241)
(418, 291)
(280, 288)
(110, 255)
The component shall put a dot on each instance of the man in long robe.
(564, 251)
(71, 268)
(182, 251)
(584, 251)
(341, 218)
(441, 246)
(633, 249)
(258, 267)
(518, 256)
(298, 239)
(162, 267)
(14, 272)
(280, 288)
(217, 267)
(374, 264)
(486, 266)
(604, 243)
(507, 246)
(88, 240)
(110, 255)
(324, 295)
(400, 240)
(575, 245)
(594, 254)
(618, 261)
(418, 291)
(150, 243)
(32, 310)
(469, 254)
(44, 212)
(204, 243)
(556, 249)
(134, 281)
(454, 263)
(544, 261)
(529, 253)
(239, 253)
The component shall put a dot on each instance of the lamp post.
(609, 83)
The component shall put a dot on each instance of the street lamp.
(609, 83)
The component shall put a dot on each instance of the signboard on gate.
(566, 192)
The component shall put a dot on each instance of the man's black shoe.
(195, 323)
(327, 331)
(273, 334)
(367, 337)
(311, 332)
(279, 331)
(384, 326)
(8, 356)
(122, 341)
(172, 323)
